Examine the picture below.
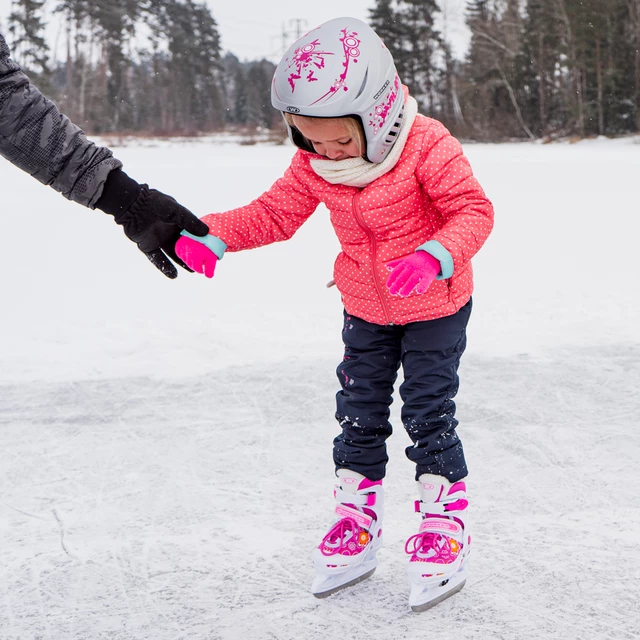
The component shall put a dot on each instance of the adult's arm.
(38, 138)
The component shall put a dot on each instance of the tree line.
(533, 69)
(146, 66)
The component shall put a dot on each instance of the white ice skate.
(347, 553)
(439, 551)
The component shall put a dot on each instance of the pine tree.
(385, 21)
(258, 94)
(601, 59)
(76, 71)
(419, 43)
(234, 90)
(26, 36)
(192, 68)
(496, 90)
(115, 23)
(510, 35)
(634, 42)
(619, 70)
(481, 78)
(542, 55)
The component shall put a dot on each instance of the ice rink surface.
(165, 446)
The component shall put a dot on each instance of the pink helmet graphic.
(342, 68)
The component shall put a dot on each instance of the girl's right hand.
(196, 256)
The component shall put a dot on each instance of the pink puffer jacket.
(431, 194)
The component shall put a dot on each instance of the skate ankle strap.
(443, 526)
(437, 508)
(362, 519)
(359, 499)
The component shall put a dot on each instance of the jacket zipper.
(374, 250)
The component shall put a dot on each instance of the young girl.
(409, 216)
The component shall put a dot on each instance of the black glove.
(149, 218)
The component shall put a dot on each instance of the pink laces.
(432, 547)
(346, 537)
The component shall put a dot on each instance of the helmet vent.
(364, 84)
(392, 134)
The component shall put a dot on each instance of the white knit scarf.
(357, 172)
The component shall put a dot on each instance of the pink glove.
(196, 256)
(415, 272)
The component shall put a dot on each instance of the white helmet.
(342, 68)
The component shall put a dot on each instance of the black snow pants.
(429, 353)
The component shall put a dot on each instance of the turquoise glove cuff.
(442, 255)
(211, 242)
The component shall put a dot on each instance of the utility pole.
(284, 35)
(298, 22)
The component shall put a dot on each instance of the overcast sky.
(255, 29)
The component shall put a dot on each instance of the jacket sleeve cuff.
(434, 248)
(213, 243)
(118, 194)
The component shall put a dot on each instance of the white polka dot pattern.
(431, 194)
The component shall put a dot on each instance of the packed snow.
(165, 446)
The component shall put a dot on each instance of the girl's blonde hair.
(352, 125)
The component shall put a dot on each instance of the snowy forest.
(534, 69)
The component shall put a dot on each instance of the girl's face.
(329, 137)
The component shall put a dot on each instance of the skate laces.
(432, 547)
(345, 537)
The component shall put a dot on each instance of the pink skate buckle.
(362, 519)
(458, 505)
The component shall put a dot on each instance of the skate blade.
(424, 598)
(328, 585)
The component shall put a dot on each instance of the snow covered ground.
(165, 446)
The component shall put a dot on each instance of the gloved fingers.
(394, 263)
(161, 262)
(409, 285)
(203, 265)
(154, 236)
(397, 278)
(171, 252)
(184, 252)
(188, 221)
(209, 267)
(424, 284)
(196, 255)
(198, 267)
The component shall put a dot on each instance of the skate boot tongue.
(431, 488)
(354, 500)
(352, 481)
(439, 496)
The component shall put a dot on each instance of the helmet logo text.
(380, 112)
(384, 86)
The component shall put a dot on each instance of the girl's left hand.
(415, 272)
